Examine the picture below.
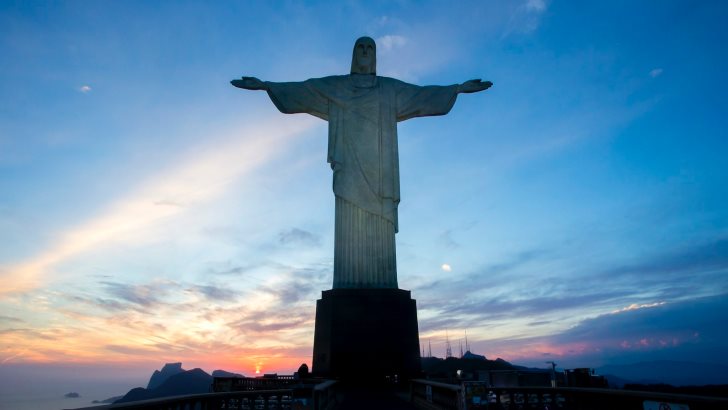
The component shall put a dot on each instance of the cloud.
(235, 270)
(655, 72)
(503, 307)
(635, 306)
(703, 258)
(215, 293)
(111, 305)
(10, 319)
(200, 179)
(535, 6)
(445, 267)
(146, 296)
(298, 236)
(167, 320)
(558, 298)
(32, 334)
(271, 323)
(690, 330)
(298, 285)
(484, 276)
(158, 294)
(390, 42)
(130, 350)
(447, 240)
(85, 89)
(665, 277)
(526, 17)
(681, 319)
(167, 202)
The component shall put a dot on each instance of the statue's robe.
(363, 111)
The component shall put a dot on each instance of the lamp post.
(553, 373)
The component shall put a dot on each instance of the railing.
(431, 395)
(322, 397)
(227, 384)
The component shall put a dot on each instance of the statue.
(362, 110)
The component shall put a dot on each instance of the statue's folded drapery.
(363, 111)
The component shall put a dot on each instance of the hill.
(160, 376)
(193, 381)
(437, 367)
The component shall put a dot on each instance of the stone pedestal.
(366, 334)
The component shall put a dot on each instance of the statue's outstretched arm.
(473, 86)
(250, 83)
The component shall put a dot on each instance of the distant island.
(72, 395)
(107, 401)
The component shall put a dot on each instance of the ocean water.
(52, 397)
(21, 389)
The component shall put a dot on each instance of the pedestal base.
(366, 334)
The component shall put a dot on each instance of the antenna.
(429, 348)
(467, 346)
(448, 349)
(461, 348)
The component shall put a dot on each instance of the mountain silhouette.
(223, 373)
(193, 381)
(159, 377)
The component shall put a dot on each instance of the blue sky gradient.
(151, 212)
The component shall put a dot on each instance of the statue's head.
(364, 57)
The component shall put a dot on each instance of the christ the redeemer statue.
(363, 109)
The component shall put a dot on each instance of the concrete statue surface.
(362, 110)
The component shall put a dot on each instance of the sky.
(150, 212)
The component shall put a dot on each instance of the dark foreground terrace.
(422, 394)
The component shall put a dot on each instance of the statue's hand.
(473, 86)
(249, 83)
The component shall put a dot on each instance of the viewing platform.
(319, 394)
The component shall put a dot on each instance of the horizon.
(152, 213)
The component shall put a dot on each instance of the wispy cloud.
(166, 202)
(164, 329)
(447, 240)
(146, 295)
(215, 293)
(298, 236)
(168, 320)
(526, 17)
(522, 308)
(85, 89)
(635, 306)
(486, 275)
(535, 6)
(271, 323)
(664, 326)
(298, 285)
(656, 72)
(10, 319)
(197, 180)
(233, 270)
(390, 42)
(689, 329)
(703, 258)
